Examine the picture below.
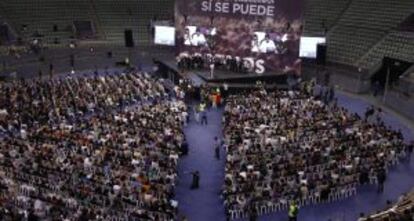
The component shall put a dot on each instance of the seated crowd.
(285, 146)
(89, 148)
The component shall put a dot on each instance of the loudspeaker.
(321, 54)
(129, 39)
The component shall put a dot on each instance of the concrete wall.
(401, 103)
(344, 78)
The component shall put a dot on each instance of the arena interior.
(207, 110)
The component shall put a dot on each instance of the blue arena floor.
(205, 204)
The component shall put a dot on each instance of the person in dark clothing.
(184, 148)
(379, 115)
(252, 213)
(204, 118)
(32, 216)
(217, 151)
(410, 150)
(363, 177)
(217, 145)
(40, 74)
(381, 177)
(361, 215)
(369, 112)
(195, 184)
(331, 94)
(376, 88)
(325, 97)
(51, 70)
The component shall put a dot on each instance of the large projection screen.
(309, 45)
(265, 32)
(164, 35)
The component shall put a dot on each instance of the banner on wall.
(265, 34)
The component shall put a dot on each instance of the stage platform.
(200, 76)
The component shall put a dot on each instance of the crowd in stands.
(89, 148)
(285, 146)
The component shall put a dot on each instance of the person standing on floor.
(379, 115)
(195, 184)
(197, 114)
(183, 218)
(410, 150)
(252, 213)
(217, 145)
(381, 177)
(184, 119)
(293, 211)
(204, 118)
(369, 112)
(203, 113)
(184, 147)
(331, 94)
(212, 70)
(203, 106)
(214, 100)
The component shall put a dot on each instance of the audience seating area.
(322, 12)
(110, 18)
(399, 45)
(42, 15)
(346, 44)
(105, 146)
(116, 16)
(89, 148)
(362, 25)
(354, 26)
(297, 146)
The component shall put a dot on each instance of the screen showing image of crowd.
(260, 36)
(199, 36)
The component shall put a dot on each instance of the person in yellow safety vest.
(202, 107)
(203, 113)
(293, 211)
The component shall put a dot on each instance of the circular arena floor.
(205, 203)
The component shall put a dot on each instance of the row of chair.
(283, 204)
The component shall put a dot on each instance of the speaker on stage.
(321, 54)
(129, 39)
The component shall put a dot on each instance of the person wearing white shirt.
(255, 44)
(198, 39)
(187, 37)
(213, 31)
(184, 116)
(211, 70)
(267, 45)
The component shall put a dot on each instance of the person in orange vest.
(218, 99)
